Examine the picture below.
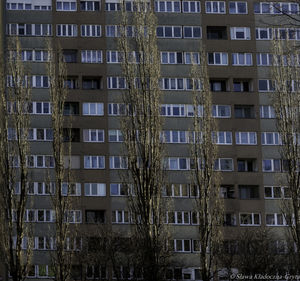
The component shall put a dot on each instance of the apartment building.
(237, 36)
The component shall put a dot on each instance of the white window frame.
(87, 8)
(116, 109)
(114, 56)
(252, 217)
(71, 189)
(273, 163)
(191, 7)
(267, 112)
(269, 83)
(246, 138)
(91, 56)
(177, 163)
(121, 216)
(235, 6)
(242, 59)
(88, 111)
(234, 31)
(276, 219)
(121, 189)
(172, 31)
(66, 6)
(275, 138)
(222, 163)
(175, 136)
(167, 6)
(222, 137)
(118, 162)
(182, 248)
(90, 30)
(34, 132)
(219, 58)
(116, 83)
(258, 34)
(117, 134)
(264, 57)
(94, 162)
(217, 109)
(95, 189)
(215, 7)
(180, 217)
(73, 216)
(193, 30)
(66, 30)
(40, 161)
(93, 135)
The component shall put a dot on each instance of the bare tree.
(287, 108)
(61, 258)
(141, 127)
(16, 247)
(204, 177)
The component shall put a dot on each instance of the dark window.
(244, 111)
(76, 271)
(249, 191)
(229, 219)
(71, 83)
(71, 108)
(241, 86)
(95, 216)
(246, 165)
(227, 191)
(70, 55)
(218, 85)
(91, 83)
(71, 134)
(216, 32)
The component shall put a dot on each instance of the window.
(244, 111)
(92, 109)
(116, 109)
(96, 272)
(230, 219)
(112, 31)
(91, 83)
(40, 81)
(93, 135)
(45, 215)
(115, 136)
(176, 163)
(248, 138)
(218, 85)
(191, 58)
(118, 162)
(275, 220)
(270, 138)
(120, 216)
(89, 30)
(118, 189)
(71, 108)
(276, 8)
(266, 85)
(116, 83)
(71, 189)
(66, 30)
(248, 219)
(66, 5)
(191, 7)
(95, 216)
(94, 189)
(22, 29)
(221, 111)
(27, 5)
(40, 161)
(177, 110)
(169, 31)
(176, 190)
(71, 82)
(178, 217)
(39, 108)
(215, 7)
(167, 6)
(246, 165)
(180, 245)
(32, 55)
(70, 56)
(242, 59)
(41, 188)
(222, 137)
(264, 59)
(175, 136)
(263, 33)
(44, 243)
(277, 192)
(249, 191)
(112, 6)
(89, 6)
(91, 56)
(171, 57)
(227, 191)
(217, 58)
(274, 165)
(191, 32)
(94, 162)
(240, 33)
(267, 111)
(238, 7)
(216, 32)
(40, 134)
(241, 86)
(73, 216)
(224, 164)
(114, 57)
